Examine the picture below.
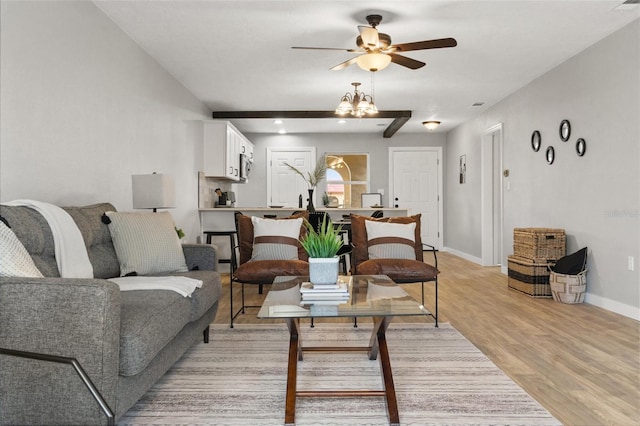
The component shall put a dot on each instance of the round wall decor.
(551, 155)
(565, 130)
(581, 147)
(536, 140)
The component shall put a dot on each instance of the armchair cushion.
(245, 236)
(390, 240)
(275, 239)
(359, 235)
(264, 271)
(399, 270)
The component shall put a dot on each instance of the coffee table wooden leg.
(295, 353)
(378, 344)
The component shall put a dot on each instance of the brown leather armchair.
(244, 270)
(402, 271)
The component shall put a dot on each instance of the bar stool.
(232, 243)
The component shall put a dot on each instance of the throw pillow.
(275, 239)
(15, 260)
(390, 240)
(146, 243)
(572, 264)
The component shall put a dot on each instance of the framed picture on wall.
(463, 168)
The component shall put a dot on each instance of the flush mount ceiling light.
(431, 124)
(357, 103)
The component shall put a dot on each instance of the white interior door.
(492, 196)
(416, 184)
(284, 186)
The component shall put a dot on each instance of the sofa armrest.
(77, 318)
(204, 256)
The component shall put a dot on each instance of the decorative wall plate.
(581, 147)
(551, 155)
(536, 141)
(565, 130)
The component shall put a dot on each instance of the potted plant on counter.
(322, 246)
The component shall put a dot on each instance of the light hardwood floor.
(582, 363)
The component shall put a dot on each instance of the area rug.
(239, 378)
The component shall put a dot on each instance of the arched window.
(347, 178)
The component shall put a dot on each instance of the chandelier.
(357, 103)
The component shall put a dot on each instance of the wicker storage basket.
(532, 289)
(539, 244)
(568, 288)
(528, 271)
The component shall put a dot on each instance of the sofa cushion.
(148, 321)
(16, 261)
(97, 238)
(146, 243)
(34, 233)
(204, 297)
(264, 271)
(275, 239)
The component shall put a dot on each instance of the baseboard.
(463, 255)
(623, 309)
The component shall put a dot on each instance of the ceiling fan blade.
(326, 48)
(344, 64)
(406, 62)
(369, 36)
(427, 44)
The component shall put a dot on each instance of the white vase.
(323, 270)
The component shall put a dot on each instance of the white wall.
(595, 198)
(254, 193)
(84, 108)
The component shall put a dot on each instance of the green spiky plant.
(312, 178)
(324, 242)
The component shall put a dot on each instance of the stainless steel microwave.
(245, 167)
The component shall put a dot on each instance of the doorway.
(415, 184)
(492, 196)
(284, 186)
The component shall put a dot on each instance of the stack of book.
(324, 293)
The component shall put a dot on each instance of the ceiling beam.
(399, 117)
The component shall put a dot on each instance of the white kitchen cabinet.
(223, 144)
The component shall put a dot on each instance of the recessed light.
(277, 122)
(282, 131)
(342, 121)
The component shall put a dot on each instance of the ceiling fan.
(375, 50)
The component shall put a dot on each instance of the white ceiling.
(237, 56)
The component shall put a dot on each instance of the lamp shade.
(373, 61)
(155, 191)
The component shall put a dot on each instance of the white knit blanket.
(183, 285)
(71, 252)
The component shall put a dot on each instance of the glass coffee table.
(373, 296)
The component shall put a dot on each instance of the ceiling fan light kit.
(431, 124)
(373, 61)
(376, 51)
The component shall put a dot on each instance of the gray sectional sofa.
(125, 341)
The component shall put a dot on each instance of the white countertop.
(288, 209)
